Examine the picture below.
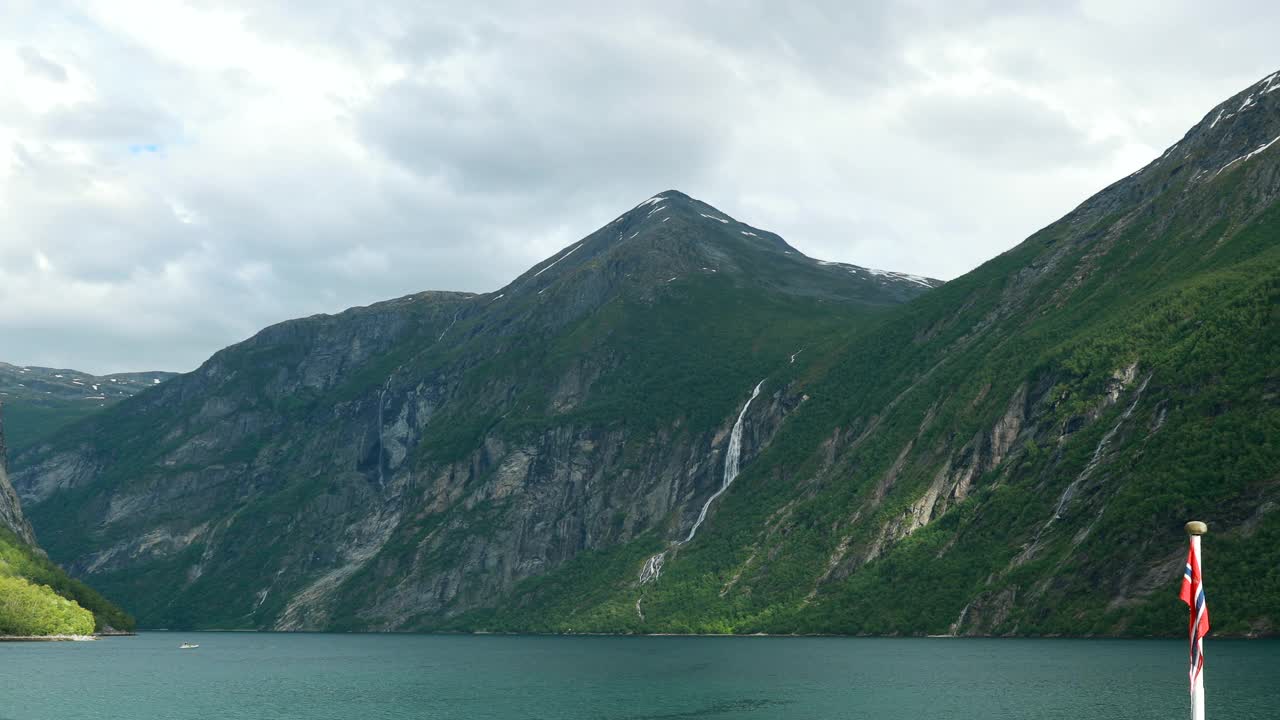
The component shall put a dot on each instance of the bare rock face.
(10, 510)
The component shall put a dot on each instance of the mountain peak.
(671, 199)
(1234, 132)
(672, 237)
(1239, 135)
(672, 194)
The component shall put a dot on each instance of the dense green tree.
(36, 592)
(27, 609)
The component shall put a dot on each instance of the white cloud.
(175, 176)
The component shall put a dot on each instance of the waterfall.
(1098, 452)
(381, 451)
(382, 396)
(652, 567)
(1070, 492)
(732, 455)
(450, 326)
(955, 626)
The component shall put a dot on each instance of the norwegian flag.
(1193, 595)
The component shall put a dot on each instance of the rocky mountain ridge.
(399, 449)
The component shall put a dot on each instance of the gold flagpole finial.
(1195, 527)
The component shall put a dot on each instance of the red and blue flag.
(1193, 595)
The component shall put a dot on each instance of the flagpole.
(1195, 529)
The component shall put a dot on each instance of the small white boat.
(187, 646)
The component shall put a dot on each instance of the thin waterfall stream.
(732, 454)
(381, 424)
(1068, 494)
(1098, 453)
(382, 404)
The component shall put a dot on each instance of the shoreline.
(65, 638)
(48, 638)
(890, 636)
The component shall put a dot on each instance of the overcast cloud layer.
(175, 177)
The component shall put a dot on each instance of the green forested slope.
(1015, 452)
(37, 597)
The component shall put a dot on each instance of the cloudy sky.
(173, 177)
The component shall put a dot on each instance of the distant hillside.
(38, 401)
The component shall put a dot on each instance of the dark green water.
(264, 676)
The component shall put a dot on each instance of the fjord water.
(316, 676)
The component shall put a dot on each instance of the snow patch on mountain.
(1245, 157)
(553, 264)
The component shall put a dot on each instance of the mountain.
(1014, 453)
(36, 596)
(683, 425)
(40, 400)
(397, 465)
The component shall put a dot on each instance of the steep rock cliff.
(11, 517)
